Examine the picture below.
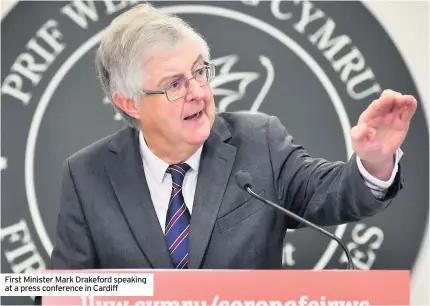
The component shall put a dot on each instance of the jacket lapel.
(215, 167)
(124, 166)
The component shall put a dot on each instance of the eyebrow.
(178, 75)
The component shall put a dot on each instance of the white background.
(408, 25)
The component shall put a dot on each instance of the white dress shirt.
(160, 183)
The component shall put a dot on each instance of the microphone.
(244, 181)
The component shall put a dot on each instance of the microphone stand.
(351, 265)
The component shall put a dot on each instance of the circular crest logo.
(309, 63)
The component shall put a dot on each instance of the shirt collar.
(157, 166)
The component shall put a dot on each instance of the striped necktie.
(178, 219)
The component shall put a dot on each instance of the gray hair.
(129, 41)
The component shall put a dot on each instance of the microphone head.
(243, 179)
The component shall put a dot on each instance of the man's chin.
(198, 137)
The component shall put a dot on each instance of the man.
(161, 193)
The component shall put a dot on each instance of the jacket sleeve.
(323, 192)
(74, 248)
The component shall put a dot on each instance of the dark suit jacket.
(107, 219)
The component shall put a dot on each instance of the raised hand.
(381, 130)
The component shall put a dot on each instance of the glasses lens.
(176, 90)
(201, 75)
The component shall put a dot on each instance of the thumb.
(362, 132)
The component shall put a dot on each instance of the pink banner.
(254, 287)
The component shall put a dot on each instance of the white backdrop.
(400, 19)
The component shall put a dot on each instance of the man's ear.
(128, 105)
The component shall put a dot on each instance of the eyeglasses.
(179, 88)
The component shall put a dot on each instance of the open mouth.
(194, 116)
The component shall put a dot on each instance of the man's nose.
(195, 91)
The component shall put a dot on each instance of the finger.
(402, 102)
(399, 105)
(362, 132)
(389, 92)
(408, 101)
(378, 108)
(387, 104)
(408, 108)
